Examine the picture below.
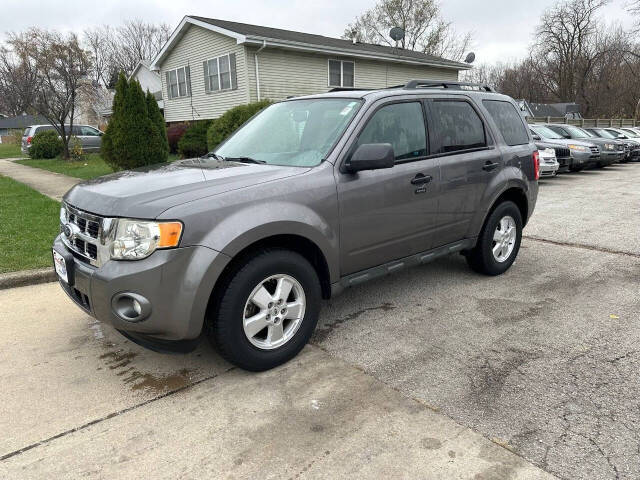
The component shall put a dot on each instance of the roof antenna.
(396, 34)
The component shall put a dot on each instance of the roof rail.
(415, 84)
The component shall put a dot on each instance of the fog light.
(130, 307)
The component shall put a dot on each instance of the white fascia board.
(350, 53)
(179, 32)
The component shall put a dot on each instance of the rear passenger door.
(459, 137)
(90, 138)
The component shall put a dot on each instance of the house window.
(341, 73)
(220, 73)
(178, 82)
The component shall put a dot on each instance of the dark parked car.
(575, 156)
(562, 152)
(625, 136)
(625, 146)
(313, 195)
(607, 150)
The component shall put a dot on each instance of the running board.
(397, 265)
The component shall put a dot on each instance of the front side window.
(220, 73)
(401, 125)
(508, 120)
(178, 82)
(455, 127)
(294, 133)
(341, 73)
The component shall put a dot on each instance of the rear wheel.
(499, 241)
(267, 310)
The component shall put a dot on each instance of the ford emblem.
(67, 230)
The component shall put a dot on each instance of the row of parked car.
(565, 148)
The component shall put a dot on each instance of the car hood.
(542, 144)
(149, 191)
(565, 142)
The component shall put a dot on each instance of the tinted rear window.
(508, 120)
(45, 128)
(455, 126)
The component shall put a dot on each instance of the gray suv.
(312, 195)
(90, 137)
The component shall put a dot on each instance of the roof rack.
(415, 84)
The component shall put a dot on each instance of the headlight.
(609, 146)
(137, 239)
(579, 148)
(63, 214)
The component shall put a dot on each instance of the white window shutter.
(205, 68)
(233, 70)
(168, 86)
(187, 74)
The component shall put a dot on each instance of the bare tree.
(59, 69)
(424, 28)
(17, 83)
(121, 48)
(564, 51)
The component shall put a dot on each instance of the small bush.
(174, 134)
(15, 137)
(76, 152)
(231, 120)
(194, 141)
(45, 145)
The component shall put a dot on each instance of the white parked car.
(548, 162)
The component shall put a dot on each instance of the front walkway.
(51, 184)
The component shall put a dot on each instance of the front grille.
(595, 150)
(562, 152)
(86, 230)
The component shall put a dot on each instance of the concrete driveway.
(432, 373)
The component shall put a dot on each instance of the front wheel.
(499, 241)
(267, 310)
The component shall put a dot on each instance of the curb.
(27, 277)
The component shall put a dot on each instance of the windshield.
(295, 133)
(603, 133)
(545, 132)
(576, 132)
(618, 134)
(630, 133)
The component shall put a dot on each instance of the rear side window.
(508, 120)
(455, 127)
(401, 125)
(45, 128)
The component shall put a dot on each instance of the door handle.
(487, 167)
(421, 179)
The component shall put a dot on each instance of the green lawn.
(8, 150)
(91, 167)
(29, 222)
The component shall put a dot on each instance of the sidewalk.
(53, 185)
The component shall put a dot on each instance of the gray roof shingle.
(22, 121)
(328, 42)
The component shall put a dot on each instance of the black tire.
(481, 258)
(226, 318)
(576, 169)
(601, 165)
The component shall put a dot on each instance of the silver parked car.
(90, 137)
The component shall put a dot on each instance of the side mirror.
(371, 156)
(537, 137)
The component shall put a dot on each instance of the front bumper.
(608, 157)
(177, 284)
(549, 169)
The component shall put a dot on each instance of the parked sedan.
(561, 153)
(607, 151)
(627, 145)
(580, 152)
(89, 137)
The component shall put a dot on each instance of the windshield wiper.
(245, 160)
(214, 155)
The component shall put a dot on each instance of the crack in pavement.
(109, 416)
(581, 245)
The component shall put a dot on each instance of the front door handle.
(421, 179)
(490, 166)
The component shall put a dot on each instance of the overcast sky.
(501, 30)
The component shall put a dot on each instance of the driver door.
(390, 213)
